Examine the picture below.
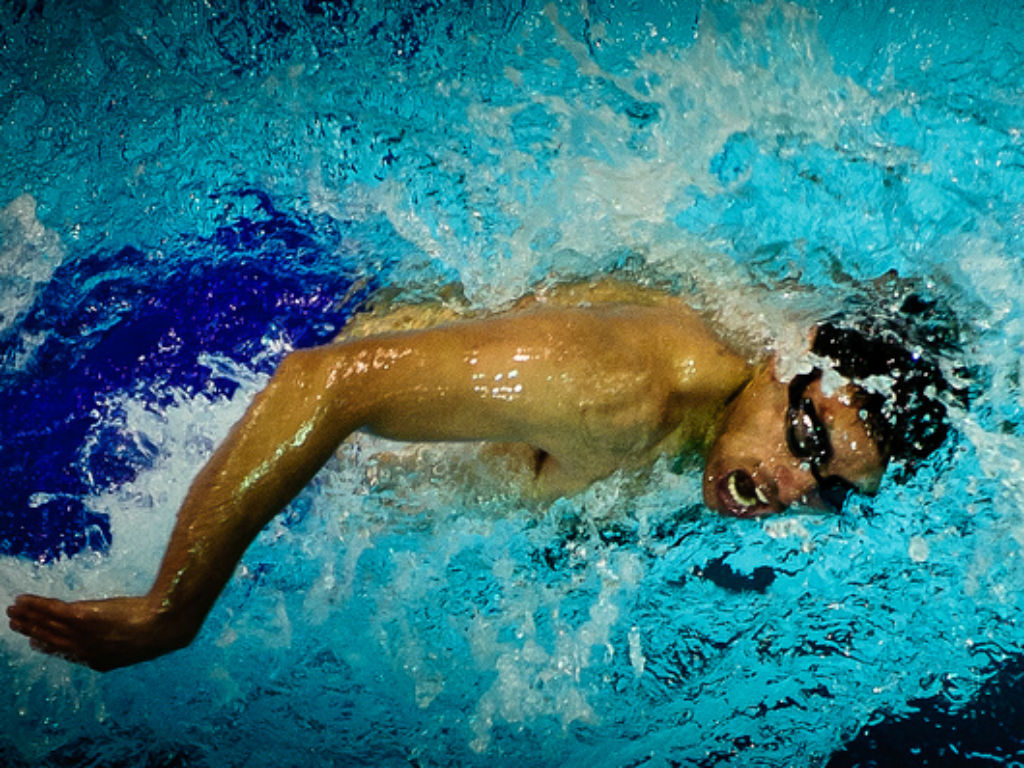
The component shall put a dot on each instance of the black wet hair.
(895, 359)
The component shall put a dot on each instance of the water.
(188, 191)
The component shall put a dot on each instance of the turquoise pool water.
(189, 190)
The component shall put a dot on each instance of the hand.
(101, 634)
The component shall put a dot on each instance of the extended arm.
(288, 432)
(314, 400)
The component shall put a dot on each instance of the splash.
(765, 159)
(29, 254)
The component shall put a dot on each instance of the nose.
(797, 485)
(790, 484)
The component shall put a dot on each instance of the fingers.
(48, 623)
(56, 645)
(30, 611)
(33, 609)
(102, 634)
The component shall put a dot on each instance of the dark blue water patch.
(719, 572)
(140, 322)
(989, 730)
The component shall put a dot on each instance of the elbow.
(332, 381)
(306, 373)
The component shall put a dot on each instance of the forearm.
(289, 431)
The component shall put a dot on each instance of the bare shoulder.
(612, 324)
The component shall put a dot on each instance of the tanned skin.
(596, 381)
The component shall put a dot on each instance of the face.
(780, 445)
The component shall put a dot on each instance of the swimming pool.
(190, 190)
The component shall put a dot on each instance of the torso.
(655, 384)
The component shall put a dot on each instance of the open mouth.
(741, 496)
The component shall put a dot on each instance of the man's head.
(875, 394)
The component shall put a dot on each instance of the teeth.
(745, 493)
(738, 496)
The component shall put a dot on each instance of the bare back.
(589, 383)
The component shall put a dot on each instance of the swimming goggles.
(808, 441)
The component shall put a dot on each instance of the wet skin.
(591, 382)
(751, 469)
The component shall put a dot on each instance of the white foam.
(582, 189)
(142, 511)
(29, 254)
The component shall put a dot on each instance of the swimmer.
(586, 381)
